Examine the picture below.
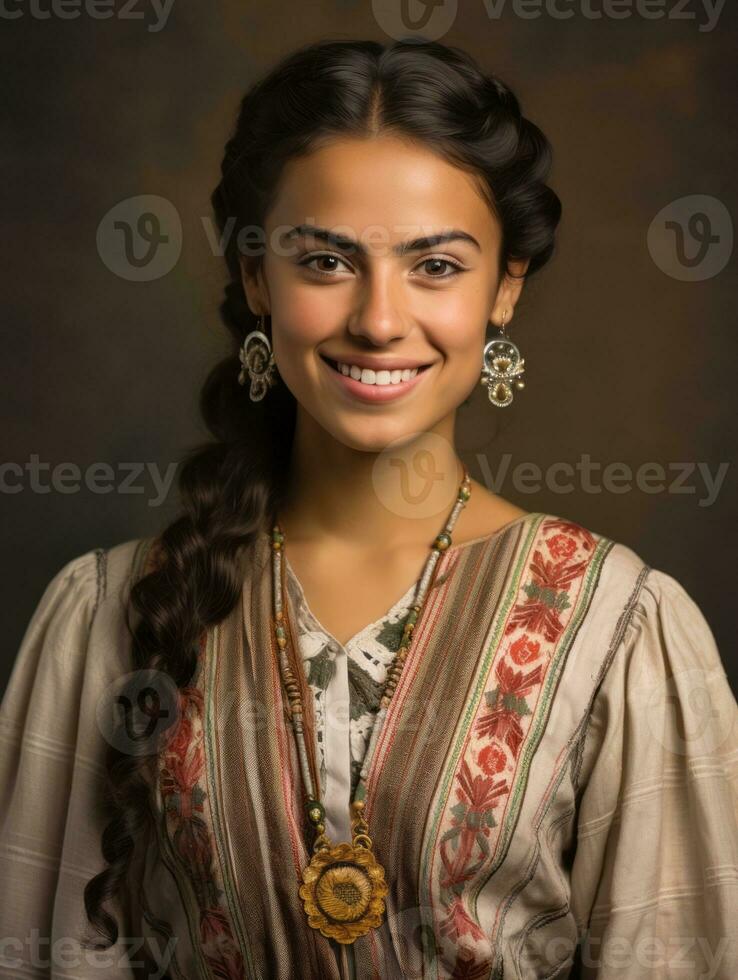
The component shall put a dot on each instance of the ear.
(254, 286)
(509, 291)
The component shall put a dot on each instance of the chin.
(374, 436)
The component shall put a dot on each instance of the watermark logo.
(411, 484)
(140, 238)
(415, 945)
(691, 239)
(426, 20)
(137, 710)
(683, 713)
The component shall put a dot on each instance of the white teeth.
(369, 377)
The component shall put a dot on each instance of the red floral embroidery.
(561, 546)
(177, 745)
(181, 781)
(547, 596)
(523, 650)
(492, 759)
(506, 705)
(458, 923)
(486, 774)
(585, 538)
(469, 968)
(472, 820)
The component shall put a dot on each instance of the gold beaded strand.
(344, 885)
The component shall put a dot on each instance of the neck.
(343, 496)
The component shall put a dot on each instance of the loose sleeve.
(654, 878)
(51, 779)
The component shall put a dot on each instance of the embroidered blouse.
(553, 794)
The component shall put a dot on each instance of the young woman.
(352, 714)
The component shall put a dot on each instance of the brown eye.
(438, 265)
(333, 263)
(327, 260)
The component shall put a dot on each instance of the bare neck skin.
(371, 503)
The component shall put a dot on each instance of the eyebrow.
(345, 243)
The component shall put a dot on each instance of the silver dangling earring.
(502, 368)
(257, 363)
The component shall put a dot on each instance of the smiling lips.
(370, 385)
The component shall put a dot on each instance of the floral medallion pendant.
(343, 891)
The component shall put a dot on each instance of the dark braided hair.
(231, 485)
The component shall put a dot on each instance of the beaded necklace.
(344, 885)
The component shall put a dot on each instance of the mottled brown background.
(625, 363)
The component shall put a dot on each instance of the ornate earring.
(502, 368)
(257, 363)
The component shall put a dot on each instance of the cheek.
(303, 321)
(303, 316)
(456, 319)
(458, 334)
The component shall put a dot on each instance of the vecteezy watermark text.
(610, 10)
(68, 478)
(66, 953)
(583, 475)
(94, 9)
(432, 19)
(591, 476)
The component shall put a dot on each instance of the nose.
(378, 318)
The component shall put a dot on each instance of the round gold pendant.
(344, 891)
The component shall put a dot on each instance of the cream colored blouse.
(566, 805)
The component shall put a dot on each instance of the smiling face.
(380, 254)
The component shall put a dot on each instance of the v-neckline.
(405, 599)
(401, 603)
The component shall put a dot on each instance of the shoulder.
(669, 635)
(564, 538)
(646, 607)
(658, 641)
(661, 616)
(624, 564)
(658, 679)
(76, 641)
(86, 598)
(100, 574)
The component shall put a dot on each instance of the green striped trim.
(538, 723)
(451, 766)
